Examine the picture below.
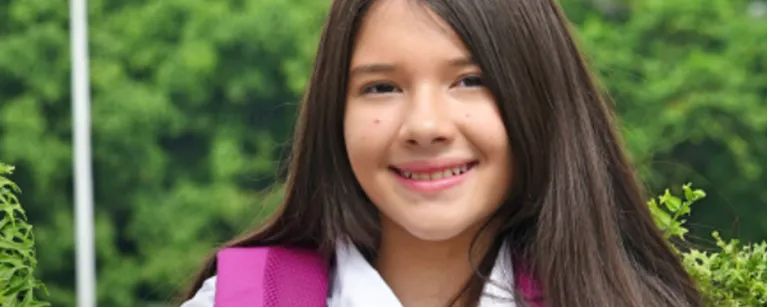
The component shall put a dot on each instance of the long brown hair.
(577, 218)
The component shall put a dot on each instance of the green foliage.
(668, 210)
(735, 275)
(689, 80)
(18, 284)
(193, 101)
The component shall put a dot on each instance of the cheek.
(486, 131)
(356, 141)
(367, 136)
(362, 133)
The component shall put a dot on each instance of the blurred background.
(194, 102)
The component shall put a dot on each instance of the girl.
(445, 146)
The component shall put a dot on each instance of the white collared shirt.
(355, 283)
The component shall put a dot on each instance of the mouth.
(435, 173)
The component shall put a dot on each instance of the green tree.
(192, 102)
(689, 80)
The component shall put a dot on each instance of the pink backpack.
(287, 277)
(270, 277)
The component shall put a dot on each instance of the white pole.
(84, 236)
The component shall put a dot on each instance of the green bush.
(732, 275)
(17, 254)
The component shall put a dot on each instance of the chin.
(440, 232)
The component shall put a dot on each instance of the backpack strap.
(271, 276)
(528, 285)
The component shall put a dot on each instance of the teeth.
(436, 175)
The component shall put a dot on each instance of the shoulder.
(205, 296)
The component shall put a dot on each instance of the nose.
(428, 121)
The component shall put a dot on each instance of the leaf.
(17, 260)
(673, 203)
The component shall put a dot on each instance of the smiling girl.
(448, 152)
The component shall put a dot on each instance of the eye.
(379, 88)
(470, 81)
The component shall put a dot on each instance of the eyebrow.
(372, 69)
(461, 62)
(386, 67)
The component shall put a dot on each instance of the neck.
(428, 273)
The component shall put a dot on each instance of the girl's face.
(424, 136)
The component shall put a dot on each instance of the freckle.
(467, 115)
(377, 121)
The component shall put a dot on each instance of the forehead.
(394, 30)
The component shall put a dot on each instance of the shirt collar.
(356, 283)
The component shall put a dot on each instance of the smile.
(436, 175)
(431, 179)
